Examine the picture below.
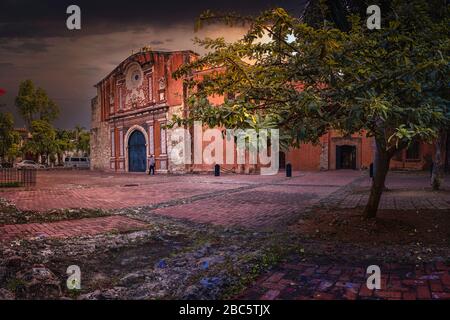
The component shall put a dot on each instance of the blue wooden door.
(136, 152)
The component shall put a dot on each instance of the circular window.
(134, 76)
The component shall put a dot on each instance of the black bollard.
(217, 170)
(289, 170)
(371, 170)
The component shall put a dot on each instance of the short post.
(288, 170)
(217, 170)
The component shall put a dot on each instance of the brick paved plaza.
(228, 200)
(245, 201)
(303, 281)
(234, 199)
(70, 228)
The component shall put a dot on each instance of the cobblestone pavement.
(243, 200)
(406, 191)
(71, 228)
(246, 200)
(113, 197)
(249, 201)
(303, 281)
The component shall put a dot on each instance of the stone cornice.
(140, 111)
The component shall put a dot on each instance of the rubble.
(37, 282)
(171, 259)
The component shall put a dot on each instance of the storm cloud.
(35, 43)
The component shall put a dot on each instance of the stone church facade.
(133, 104)
(140, 95)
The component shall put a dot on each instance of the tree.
(34, 104)
(25, 101)
(307, 80)
(43, 139)
(46, 108)
(82, 139)
(83, 142)
(64, 142)
(338, 11)
(8, 137)
(437, 171)
(15, 150)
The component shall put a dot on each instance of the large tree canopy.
(43, 139)
(391, 83)
(34, 104)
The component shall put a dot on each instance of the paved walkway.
(406, 191)
(338, 281)
(302, 281)
(245, 200)
(258, 207)
(113, 197)
(71, 228)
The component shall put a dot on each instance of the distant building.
(140, 95)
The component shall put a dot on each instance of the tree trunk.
(447, 151)
(382, 167)
(376, 159)
(437, 172)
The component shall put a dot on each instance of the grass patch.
(9, 214)
(14, 284)
(272, 255)
(14, 184)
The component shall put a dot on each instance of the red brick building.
(139, 96)
(356, 152)
(133, 103)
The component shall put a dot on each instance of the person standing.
(152, 162)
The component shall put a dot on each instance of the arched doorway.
(137, 157)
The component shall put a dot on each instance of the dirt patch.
(117, 265)
(171, 259)
(429, 227)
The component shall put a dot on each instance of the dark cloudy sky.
(35, 43)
